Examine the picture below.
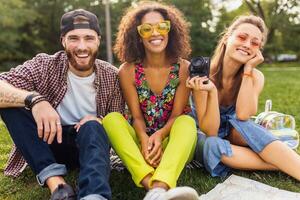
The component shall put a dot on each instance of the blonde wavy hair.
(218, 56)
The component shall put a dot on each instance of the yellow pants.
(178, 149)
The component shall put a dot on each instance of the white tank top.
(79, 100)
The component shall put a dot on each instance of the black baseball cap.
(67, 21)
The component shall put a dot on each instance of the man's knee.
(92, 130)
(18, 120)
(13, 115)
(91, 125)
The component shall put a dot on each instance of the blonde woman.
(223, 107)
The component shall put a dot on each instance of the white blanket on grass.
(240, 188)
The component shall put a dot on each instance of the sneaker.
(63, 192)
(182, 193)
(155, 194)
(178, 193)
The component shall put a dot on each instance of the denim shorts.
(210, 149)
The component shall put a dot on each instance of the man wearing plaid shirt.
(52, 106)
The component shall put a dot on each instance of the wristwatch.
(28, 100)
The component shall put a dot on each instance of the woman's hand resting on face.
(254, 62)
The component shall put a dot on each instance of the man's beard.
(71, 56)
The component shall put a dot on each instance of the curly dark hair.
(128, 46)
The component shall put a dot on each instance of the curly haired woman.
(153, 42)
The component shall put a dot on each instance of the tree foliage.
(198, 14)
(32, 26)
(15, 17)
(282, 19)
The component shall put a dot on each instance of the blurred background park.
(28, 27)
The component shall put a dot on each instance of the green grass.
(281, 64)
(283, 87)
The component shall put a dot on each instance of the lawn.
(282, 86)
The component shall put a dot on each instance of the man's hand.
(48, 122)
(84, 120)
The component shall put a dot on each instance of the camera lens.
(197, 61)
(199, 67)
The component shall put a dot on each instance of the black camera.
(199, 67)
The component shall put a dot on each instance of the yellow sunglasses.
(145, 30)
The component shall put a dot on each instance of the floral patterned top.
(156, 108)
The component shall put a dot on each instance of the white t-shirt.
(79, 100)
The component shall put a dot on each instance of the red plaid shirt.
(47, 75)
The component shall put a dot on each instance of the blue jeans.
(88, 149)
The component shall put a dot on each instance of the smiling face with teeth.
(244, 42)
(156, 43)
(81, 46)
